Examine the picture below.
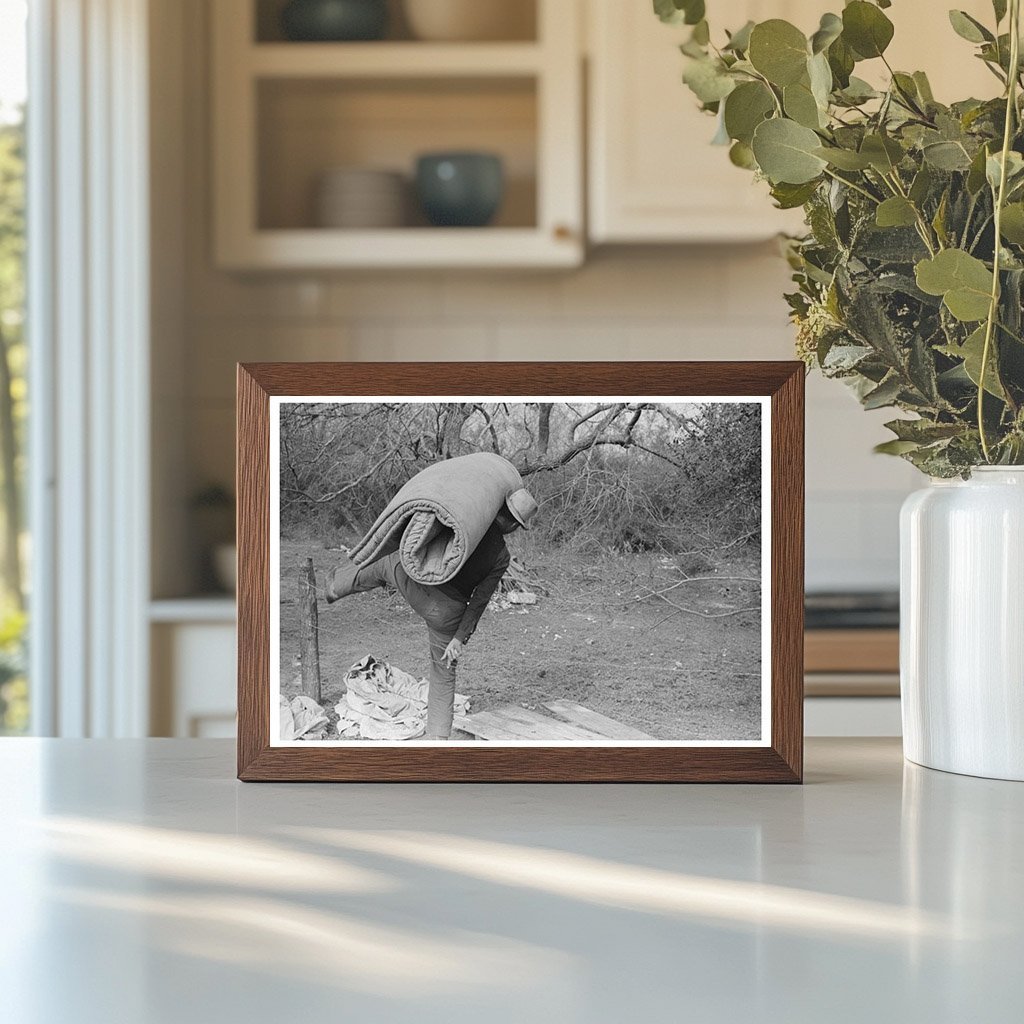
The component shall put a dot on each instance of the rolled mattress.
(439, 516)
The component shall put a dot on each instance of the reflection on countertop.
(169, 892)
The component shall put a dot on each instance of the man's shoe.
(341, 582)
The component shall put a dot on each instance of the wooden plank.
(516, 723)
(595, 721)
(489, 726)
(540, 727)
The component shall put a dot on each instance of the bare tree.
(631, 472)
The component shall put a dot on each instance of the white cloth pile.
(302, 719)
(382, 702)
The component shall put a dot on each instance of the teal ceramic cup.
(460, 189)
(334, 21)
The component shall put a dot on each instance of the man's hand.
(452, 652)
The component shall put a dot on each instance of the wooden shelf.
(206, 608)
(285, 112)
(393, 60)
(401, 247)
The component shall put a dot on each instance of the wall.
(665, 303)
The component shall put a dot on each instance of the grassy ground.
(675, 675)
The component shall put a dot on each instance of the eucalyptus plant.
(910, 278)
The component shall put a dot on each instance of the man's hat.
(522, 505)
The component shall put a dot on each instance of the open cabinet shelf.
(394, 59)
(286, 114)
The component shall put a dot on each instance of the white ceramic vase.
(962, 624)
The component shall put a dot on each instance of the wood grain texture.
(787, 548)
(595, 721)
(518, 723)
(783, 382)
(252, 487)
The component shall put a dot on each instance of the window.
(14, 702)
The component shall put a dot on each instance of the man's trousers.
(441, 613)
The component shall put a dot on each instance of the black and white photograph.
(512, 572)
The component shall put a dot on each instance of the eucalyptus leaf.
(883, 153)
(829, 30)
(800, 105)
(789, 197)
(895, 447)
(741, 155)
(739, 41)
(785, 152)
(921, 185)
(947, 156)
(906, 87)
(779, 51)
(842, 61)
(1014, 169)
(1012, 224)
(924, 87)
(866, 29)
(745, 108)
(695, 11)
(675, 12)
(969, 28)
(820, 76)
(844, 159)
(972, 352)
(708, 80)
(976, 173)
(963, 281)
(858, 91)
(895, 212)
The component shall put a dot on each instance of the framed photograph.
(520, 572)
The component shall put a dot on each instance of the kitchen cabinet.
(192, 648)
(653, 175)
(286, 113)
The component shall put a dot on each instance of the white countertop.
(142, 884)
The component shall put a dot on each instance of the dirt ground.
(676, 676)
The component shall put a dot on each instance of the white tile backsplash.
(718, 302)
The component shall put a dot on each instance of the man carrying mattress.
(441, 544)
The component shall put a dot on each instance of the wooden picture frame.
(778, 757)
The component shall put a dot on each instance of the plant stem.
(922, 225)
(855, 187)
(993, 309)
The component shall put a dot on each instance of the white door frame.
(88, 320)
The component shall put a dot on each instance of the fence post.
(309, 636)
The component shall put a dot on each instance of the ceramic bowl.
(358, 197)
(334, 20)
(460, 189)
(471, 20)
